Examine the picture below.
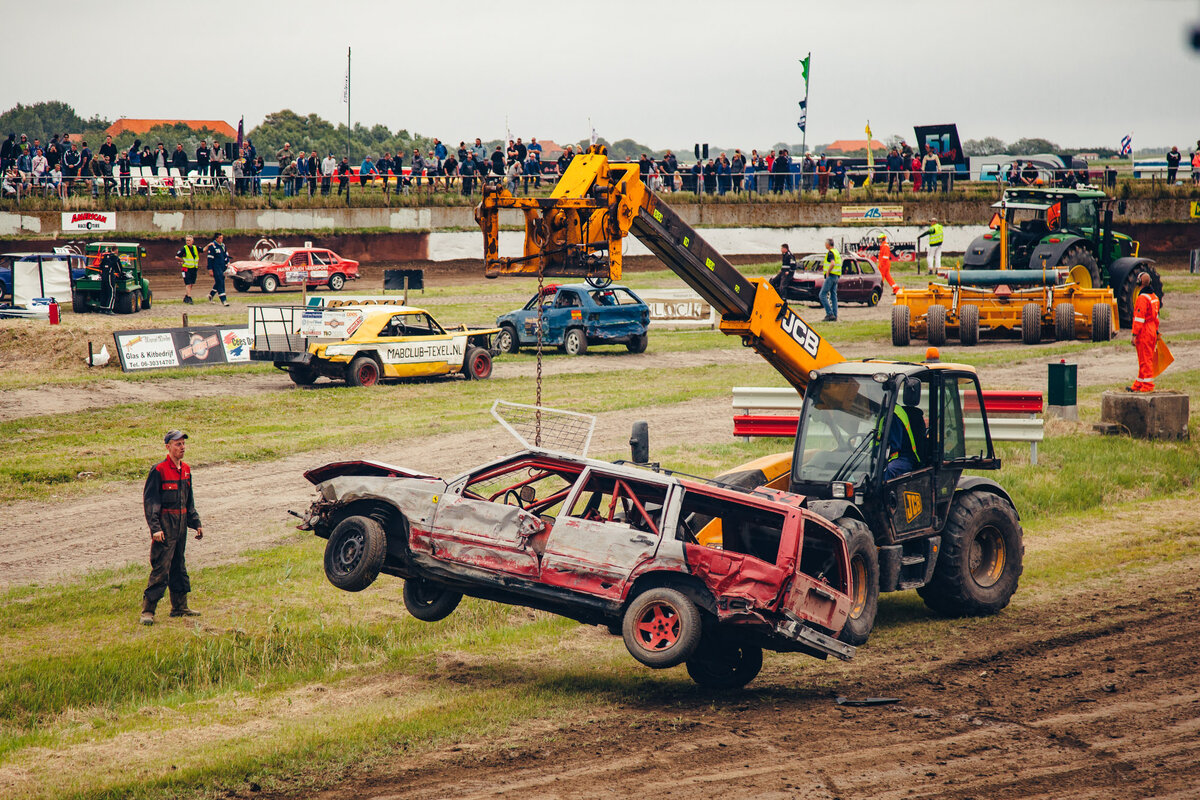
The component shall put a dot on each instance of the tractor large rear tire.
(1126, 294)
(981, 557)
(864, 581)
(1101, 322)
(1082, 264)
(1064, 322)
(968, 325)
(1031, 323)
(900, 330)
(935, 318)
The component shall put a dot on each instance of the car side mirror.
(639, 443)
(911, 396)
(527, 494)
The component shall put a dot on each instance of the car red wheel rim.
(481, 367)
(368, 374)
(658, 626)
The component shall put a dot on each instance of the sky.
(667, 74)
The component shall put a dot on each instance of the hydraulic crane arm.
(577, 232)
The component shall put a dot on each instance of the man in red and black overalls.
(170, 510)
(1145, 334)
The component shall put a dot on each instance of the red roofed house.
(854, 145)
(140, 126)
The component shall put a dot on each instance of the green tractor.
(131, 292)
(1071, 229)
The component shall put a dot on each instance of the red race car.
(292, 266)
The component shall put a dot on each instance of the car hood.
(336, 469)
(240, 265)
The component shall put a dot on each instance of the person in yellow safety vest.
(833, 271)
(902, 446)
(933, 256)
(188, 257)
(1145, 334)
(885, 261)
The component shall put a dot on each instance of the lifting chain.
(537, 423)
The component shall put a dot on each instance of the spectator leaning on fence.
(328, 167)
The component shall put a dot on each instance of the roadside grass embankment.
(290, 684)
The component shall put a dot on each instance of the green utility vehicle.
(131, 290)
(1066, 229)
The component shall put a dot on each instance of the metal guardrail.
(1024, 429)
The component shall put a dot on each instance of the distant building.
(141, 126)
(550, 149)
(853, 146)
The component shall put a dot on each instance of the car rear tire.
(575, 342)
(355, 553)
(661, 628)
(638, 344)
(506, 339)
(1031, 323)
(302, 375)
(78, 303)
(876, 296)
(478, 364)
(1101, 322)
(968, 325)
(269, 283)
(241, 285)
(363, 371)
(981, 557)
(336, 281)
(864, 581)
(725, 665)
(935, 319)
(429, 601)
(900, 330)
(1064, 322)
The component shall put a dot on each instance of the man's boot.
(179, 606)
(148, 607)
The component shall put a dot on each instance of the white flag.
(594, 137)
(346, 88)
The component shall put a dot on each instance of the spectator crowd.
(63, 166)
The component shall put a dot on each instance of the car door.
(615, 313)
(526, 321)
(850, 284)
(296, 270)
(318, 271)
(412, 345)
(610, 524)
(483, 523)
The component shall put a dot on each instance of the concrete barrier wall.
(434, 218)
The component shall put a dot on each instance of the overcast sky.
(664, 73)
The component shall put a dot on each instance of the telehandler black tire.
(981, 556)
(864, 581)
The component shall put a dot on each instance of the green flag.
(805, 61)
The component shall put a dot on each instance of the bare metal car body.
(601, 543)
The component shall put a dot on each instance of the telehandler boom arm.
(577, 233)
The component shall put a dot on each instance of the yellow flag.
(870, 157)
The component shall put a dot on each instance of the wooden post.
(185, 319)
(91, 354)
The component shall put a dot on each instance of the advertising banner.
(325, 323)
(872, 214)
(89, 221)
(182, 347)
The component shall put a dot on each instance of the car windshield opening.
(840, 425)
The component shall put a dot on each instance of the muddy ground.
(1092, 694)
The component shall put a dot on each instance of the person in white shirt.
(328, 167)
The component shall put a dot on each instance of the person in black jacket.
(170, 507)
(1173, 159)
(179, 160)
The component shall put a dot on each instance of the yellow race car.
(363, 344)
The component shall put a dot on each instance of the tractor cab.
(892, 439)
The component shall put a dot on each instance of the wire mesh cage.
(546, 428)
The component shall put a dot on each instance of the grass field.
(287, 683)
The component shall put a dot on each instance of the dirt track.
(1060, 701)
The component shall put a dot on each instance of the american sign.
(89, 221)
(875, 214)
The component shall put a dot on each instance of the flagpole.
(348, 182)
(804, 130)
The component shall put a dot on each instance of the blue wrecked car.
(575, 317)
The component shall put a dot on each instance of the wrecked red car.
(601, 543)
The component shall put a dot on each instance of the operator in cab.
(902, 452)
